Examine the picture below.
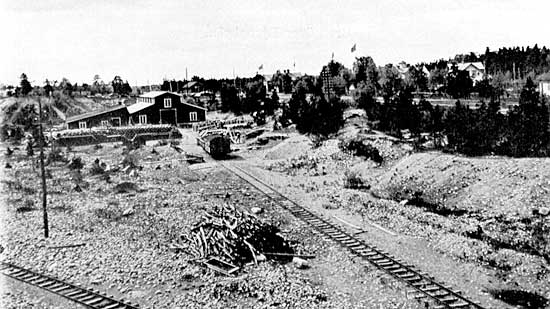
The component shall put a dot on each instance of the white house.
(544, 88)
(475, 69)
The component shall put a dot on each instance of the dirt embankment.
(504, 201)
(491, 185)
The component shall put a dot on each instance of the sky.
(147, 41)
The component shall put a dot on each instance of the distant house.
(544, 87)
(164, 107)
(116, 116)
(476, 70)
(426, 71)
(193, 87)
(403, 69)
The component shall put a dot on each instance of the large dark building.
(116, 116)
(155, 107)
(163, 107)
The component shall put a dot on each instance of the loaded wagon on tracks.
(217, 143)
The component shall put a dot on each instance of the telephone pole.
(44, 193)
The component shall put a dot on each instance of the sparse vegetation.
(353, 180)
(358, 147)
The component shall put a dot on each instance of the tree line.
(523, 131)
(117, 86)
(483, 130)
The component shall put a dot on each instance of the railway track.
(86, 297)
(424, 287)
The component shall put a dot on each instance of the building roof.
(295, 75)
(193, 105)
(465, 65)
(154, 94)
(191, 84)
(140, 105)
(93, 114)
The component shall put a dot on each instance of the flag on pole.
(261, 67)
(332, 55)
(353, 48)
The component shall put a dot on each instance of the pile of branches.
(234, 236)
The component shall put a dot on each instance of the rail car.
(217, 143)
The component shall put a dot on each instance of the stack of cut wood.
(233, 236)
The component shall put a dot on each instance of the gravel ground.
(128, 236)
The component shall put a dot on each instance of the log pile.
(233, 236)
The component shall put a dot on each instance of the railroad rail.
(424, 286)
(86, 297)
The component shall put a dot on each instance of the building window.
(167, 103)
(193, 116)
(116, 121)
(142, 119)
(104, 123)
(82, 124)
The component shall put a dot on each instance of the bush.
(131, 160)
(11, 133)
(76, 164)
(97, 168)
(352, 180)
(357, 147)
(55, 155)
(112, 214)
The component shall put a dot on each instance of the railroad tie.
(40, 280)
(446, 297)
(430, 288)
(385, 263)
(76, 293)
(61, 288)
(459, 304)
(399, 271)
(112, 306)
(26, 276)
(87, 297)
(95, 301)
(392, 267)
(48, 284)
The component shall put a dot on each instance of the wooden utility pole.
(44, 193)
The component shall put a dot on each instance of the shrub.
(97, 168)
(108, 213)
(130, 159)
(357, 147)
(76, 164)
(352, 180)
(11, 132)
(55, 155)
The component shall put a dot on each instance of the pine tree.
(528, 124)
(26, 86)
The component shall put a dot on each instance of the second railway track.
(424, 286)
(86, 297)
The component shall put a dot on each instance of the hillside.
(13, 108)
(492, 185)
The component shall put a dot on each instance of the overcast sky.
(150, 40)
